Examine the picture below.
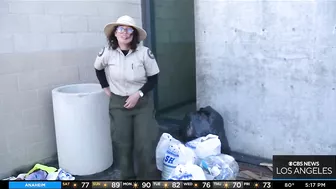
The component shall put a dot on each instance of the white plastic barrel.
(82, 128)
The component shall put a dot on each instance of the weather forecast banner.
(168, 184)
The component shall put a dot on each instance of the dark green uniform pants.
(134, 131)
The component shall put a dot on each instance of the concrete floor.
(113, 174)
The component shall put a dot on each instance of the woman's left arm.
(152, 71)
(150, 84)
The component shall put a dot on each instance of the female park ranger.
(127, 72)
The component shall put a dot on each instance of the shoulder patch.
(101, 52)
(150, 54)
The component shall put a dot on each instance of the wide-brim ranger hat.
(125, 21)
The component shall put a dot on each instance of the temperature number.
(266, 184)
(85, 184)
(289, 185)
(176, 185)
(115, 185)
(206, 185)
(237, 185)
(146, 185)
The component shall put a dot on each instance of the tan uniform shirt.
(127, 74)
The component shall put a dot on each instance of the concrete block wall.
(45, 44)
(268, 67)
(175, 48)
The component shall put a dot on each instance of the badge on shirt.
(150, 54)
(101, 52)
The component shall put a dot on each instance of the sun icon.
(135, 185)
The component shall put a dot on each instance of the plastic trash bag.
(63, 175)
(165, 141)
(176, 154)
(203, 147)
(37, 175)
(220, 167)
(203, 122)
(41, 172)
(42, 167)
(188, 171)
(10, 178)
(172, 127)
(19, 177)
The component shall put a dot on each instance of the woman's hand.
(132, 100)
(107, 91)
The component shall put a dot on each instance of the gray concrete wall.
(175, 50)
(269, 68)
(45, 44)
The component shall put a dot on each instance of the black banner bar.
(4, 184)
(237, 184)
(304, 184)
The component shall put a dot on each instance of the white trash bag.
(203, 147)
(189, 171)
(187, 155)
(162, 147)
(219, 167)
(176, 154)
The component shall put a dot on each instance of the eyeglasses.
(122, 29)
